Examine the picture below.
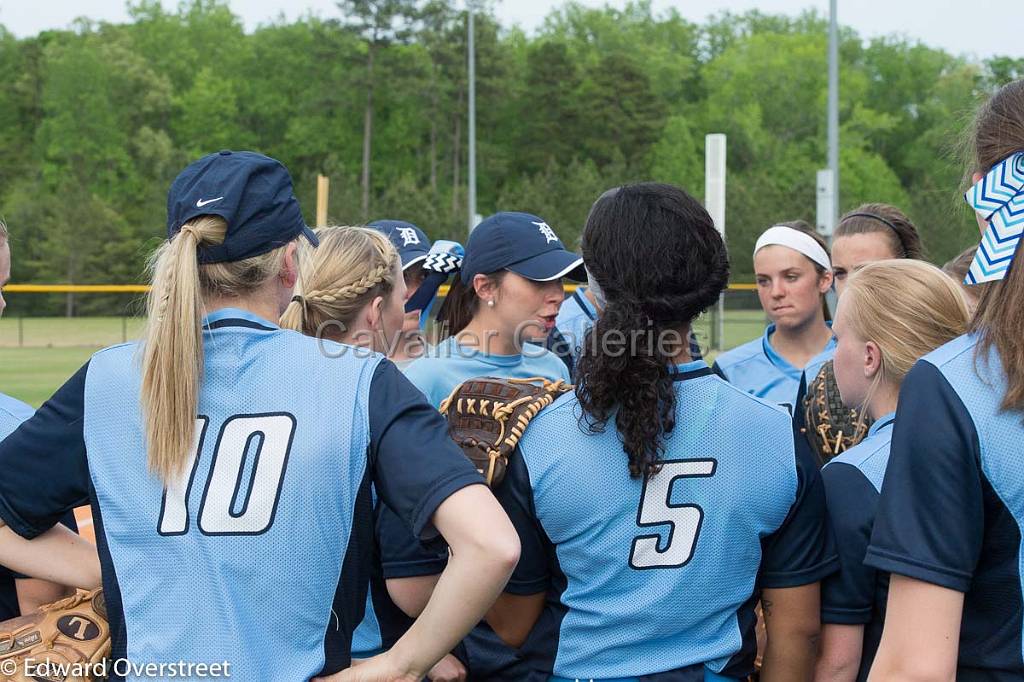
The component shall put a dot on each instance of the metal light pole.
(471, 194)
(833, 111)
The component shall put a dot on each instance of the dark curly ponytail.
(660, 262)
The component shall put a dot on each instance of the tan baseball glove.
(831, 427)
(57, 643)
(487, 417)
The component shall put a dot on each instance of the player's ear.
(825, 280)
(485, 286)
(290, 266)
(374, 312)
(872, 359)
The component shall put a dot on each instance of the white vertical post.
(714, 201)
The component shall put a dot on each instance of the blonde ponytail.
(351, 267)
(908, 308)
(172, 348)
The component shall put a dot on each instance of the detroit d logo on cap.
(546, 230)
(408, 236)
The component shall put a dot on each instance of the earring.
(490, 303)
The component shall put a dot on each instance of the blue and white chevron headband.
(998, 198)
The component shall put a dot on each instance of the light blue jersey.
(12, 413)
(759, 370)
(449, 364)
(650, 577)
(267, 534)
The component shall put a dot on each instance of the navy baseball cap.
(522, 243)
(412, 243)
(251, 192)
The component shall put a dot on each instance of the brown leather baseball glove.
(831, 427)
(487, 417)
(60, 642)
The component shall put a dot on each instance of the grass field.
(37, 354)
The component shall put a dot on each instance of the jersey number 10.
(244, 485)
(683, 520)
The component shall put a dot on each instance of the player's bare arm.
(484, 550)
(794, 627)
(513, 616)
(58, 555)
(412, 594)
(841, 650)
(33, 593)
(920, 642)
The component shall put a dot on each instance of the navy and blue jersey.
(267, 533)
(448, 364)
(857, 594)
(659, 578)
(575, 318)
(383, 622)
(437, 375)
(759, 370)
(953, 501)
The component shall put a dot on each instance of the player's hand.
(377, 669)
(448, 669)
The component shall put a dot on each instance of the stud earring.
(490, 303)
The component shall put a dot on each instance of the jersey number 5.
(244, 485)
(683, 520)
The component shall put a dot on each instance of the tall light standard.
(833, 111)
(471, 194)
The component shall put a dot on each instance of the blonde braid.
(353, 290)
(351, 266)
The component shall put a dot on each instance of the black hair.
(657, 256)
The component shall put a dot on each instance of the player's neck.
(487, 338)
(682, 355)
(262, 307)
(798, 345)
(883, 401)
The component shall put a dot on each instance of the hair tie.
(297, 298)
(801, 242)
(999, 199)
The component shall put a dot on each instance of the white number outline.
(179, 499)
(695, 468)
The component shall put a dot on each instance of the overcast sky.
(998, 29)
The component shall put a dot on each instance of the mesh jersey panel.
(253, 559)
(637, 605)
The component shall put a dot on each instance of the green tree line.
(96, 120)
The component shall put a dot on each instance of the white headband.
(800, 242)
